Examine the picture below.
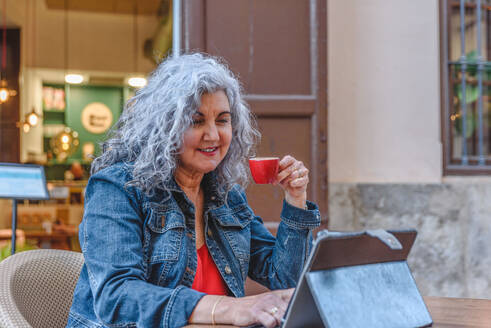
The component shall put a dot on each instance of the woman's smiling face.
(207, 141)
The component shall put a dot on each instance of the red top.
(208, 279)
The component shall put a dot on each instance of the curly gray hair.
(149, 134)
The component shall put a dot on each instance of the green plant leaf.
(7, 249)
(470, 123)
(471, 93)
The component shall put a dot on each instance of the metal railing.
(467, 112)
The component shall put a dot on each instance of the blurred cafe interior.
(68, 67)
(386, 102)
(368, 94)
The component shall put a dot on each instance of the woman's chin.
(206, 169)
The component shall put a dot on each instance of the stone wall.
(452, 253)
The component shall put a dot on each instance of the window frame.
(449, 167)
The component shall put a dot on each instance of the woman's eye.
(223, 121)
(197, 122)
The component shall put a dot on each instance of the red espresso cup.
(264, 169)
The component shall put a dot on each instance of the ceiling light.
(5, 92)
(74, 78)
(26, 127)
(64, 143)
(32, 118)
(4, 95)
(65, 139)
(137, 82)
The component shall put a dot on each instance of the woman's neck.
(189, 182)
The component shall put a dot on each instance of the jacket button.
(162, 220)
(209, 233)
(228, 270)
(213, 198)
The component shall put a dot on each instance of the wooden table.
(448, 313)
(459, 312)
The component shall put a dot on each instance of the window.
(466, 85)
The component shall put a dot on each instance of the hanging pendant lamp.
(70, 77)
(32, 118)
(136, 81)
(5, 92)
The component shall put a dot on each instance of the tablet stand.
(358, 280)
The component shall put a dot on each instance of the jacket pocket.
(238, 217)
(236, 229)
(164, 244)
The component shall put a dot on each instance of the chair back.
(36, 287)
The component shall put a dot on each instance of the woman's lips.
(209, 151)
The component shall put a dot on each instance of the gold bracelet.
(213, 310)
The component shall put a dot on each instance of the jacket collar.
(173, 195)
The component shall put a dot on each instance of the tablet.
(358, 279)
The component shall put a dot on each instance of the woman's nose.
(211, 132)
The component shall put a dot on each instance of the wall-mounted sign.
(97, 118)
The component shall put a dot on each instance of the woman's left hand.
(293, 177)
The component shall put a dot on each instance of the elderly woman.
(167, 235)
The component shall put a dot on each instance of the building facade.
(386, 149)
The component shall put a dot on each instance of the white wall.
(384, 106)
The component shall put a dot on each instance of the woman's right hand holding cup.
(293, 177)
(290, 173)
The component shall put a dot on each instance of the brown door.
(278, 50)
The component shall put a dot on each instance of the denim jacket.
(140, 253)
